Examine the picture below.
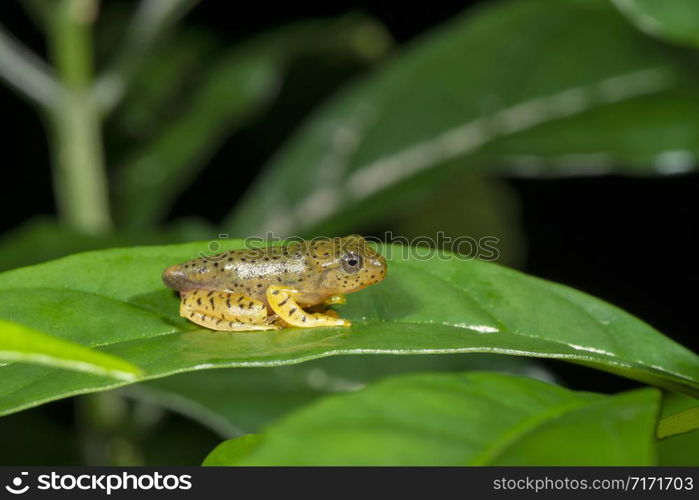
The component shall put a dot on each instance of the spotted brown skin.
(279, 280)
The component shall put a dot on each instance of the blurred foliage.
(443, 99)
(255, 396)
(229, 88)
(673, 20)
(142, 434)
(468, 205)
(24, 438)
(42, 238)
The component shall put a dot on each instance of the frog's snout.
(174, 277)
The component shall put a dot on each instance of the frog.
(273, 287)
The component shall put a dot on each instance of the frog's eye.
(351, 262)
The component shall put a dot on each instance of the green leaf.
(26, 345)
(642, 135)
(458, 419)
(678, 449)
(427, 305)
(470, 84)
(240, 400)
(156, 94)
(234, 450)
(672, 20)
(231, 88)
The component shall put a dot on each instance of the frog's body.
(264, 289)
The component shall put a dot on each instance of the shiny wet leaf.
(457, 419)
(114, 300)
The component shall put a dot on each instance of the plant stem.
(75, 123)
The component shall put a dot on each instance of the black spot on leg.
(293, 310)
(283, 301)
(211, 301)
(275, 292)
(199, 301)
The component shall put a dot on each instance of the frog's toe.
(330, 320)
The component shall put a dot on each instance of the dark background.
(630, 241)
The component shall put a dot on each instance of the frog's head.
(350, 264)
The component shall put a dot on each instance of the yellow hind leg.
(230, 312)
(282, 302)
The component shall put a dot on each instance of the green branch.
(81, 185)
(26, 72)
(151, 18)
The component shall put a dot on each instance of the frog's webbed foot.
(282, 302)
(231, 312)
(335, 299)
